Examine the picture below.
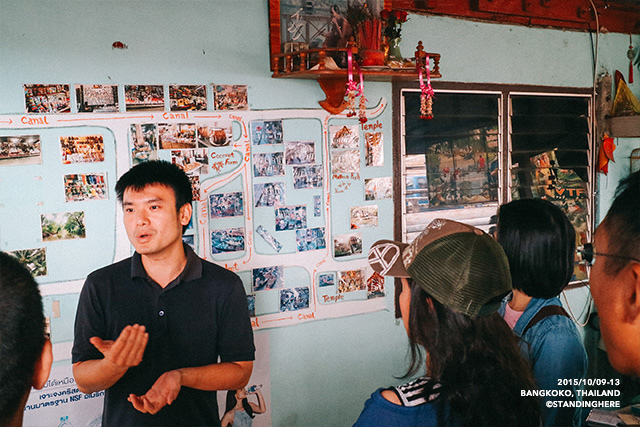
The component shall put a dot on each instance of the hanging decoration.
(630, 54)
(427, 93)
(354, 90)
(605, 154)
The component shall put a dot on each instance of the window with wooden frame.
(486, 145)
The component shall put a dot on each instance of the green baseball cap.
(460, 266)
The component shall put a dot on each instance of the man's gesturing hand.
(164, 392)
(127, 350)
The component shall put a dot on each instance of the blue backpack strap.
(546, 311)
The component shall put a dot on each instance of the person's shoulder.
(556, 322)
(213, 270)
(116, 269)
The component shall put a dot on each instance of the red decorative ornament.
(605, 154)
(426, 91)
(354, 90)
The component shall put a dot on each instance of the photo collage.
(17, 150)
(279, 166)
(95, 98)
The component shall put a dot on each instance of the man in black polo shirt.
(149, 329)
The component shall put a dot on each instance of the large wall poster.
(268, 195)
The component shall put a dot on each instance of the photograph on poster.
(275, 244)
(62, 226)
(344, 136)
(269, 194)
(82, 149)
(230, 97)
(227, 240)
(378, 188)
(177, 135)
(374, 155)
(223, 205)
(268, 278)
(308, 176)
(310, 239)
(144, 97)
(364, 216)
(216, 135)
(345, 161)
(251, 303)
(293, 299)
(20, 150)
(187, 97)
(347, 244)
(266, 132)
(317, 206)
(47, 99)
(291, 218)
(34, 259)
(193, 162)
(268, 164)
(375, 286)
(326, 279)
(144, 142)
(350, 281)
(300, 152)
(79, 187)
(97, 98)
(195, 186)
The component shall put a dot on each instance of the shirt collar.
(192, 270)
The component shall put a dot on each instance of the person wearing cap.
(454, 277)
(539, 242)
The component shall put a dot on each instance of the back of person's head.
(622, 224)
(157, 172)
(458, 276)
(22, 337)
(476, 360)
(540, 243)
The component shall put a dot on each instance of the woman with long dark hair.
(453, 279)
(239, 412)
(539, 241)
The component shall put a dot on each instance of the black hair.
(477, 362)
(540, 243)
(22, 333)
(157, 172)
(335, 8)
(231, 403)
(622, 224)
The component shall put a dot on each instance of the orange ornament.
(605, 154)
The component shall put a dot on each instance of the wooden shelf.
(625, 126)
(312, 64)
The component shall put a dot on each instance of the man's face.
(607, 291)
(153, 226)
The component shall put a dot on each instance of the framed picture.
(295, 25)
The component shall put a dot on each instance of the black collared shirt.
(198, 317)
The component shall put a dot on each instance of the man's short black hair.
(157, 172)
(622, 225)
(22, 333)
(540, 242)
